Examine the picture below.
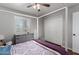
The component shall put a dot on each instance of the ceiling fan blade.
(29, 6)
(47, 5)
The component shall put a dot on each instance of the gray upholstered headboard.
(23, 38)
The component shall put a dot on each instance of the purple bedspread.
(53, 46)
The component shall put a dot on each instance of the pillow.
(5, 50)
(9, 43)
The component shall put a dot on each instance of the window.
(20, 25)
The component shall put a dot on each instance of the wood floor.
(72, 53)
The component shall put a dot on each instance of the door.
(76, 32)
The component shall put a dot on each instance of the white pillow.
(9, 43)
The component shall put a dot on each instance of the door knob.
(74, 34)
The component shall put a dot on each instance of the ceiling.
(22, 8)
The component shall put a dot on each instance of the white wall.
(41, 28)
(7, 24)
(50, 23)
(51, 27)
(33, 25)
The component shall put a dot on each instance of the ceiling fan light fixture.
(36, 6)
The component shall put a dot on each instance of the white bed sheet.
(32, 48)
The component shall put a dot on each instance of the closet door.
(54, 28)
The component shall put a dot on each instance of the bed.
(32, 48)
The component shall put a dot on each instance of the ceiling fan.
(38, 5)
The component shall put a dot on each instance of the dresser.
(22, 38)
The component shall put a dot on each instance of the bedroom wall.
(41, 28)
(33, 25)
(49, 24)
(7, 24)
(53, 27)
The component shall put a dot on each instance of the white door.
(76, 32)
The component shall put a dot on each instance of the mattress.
(32, 48)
